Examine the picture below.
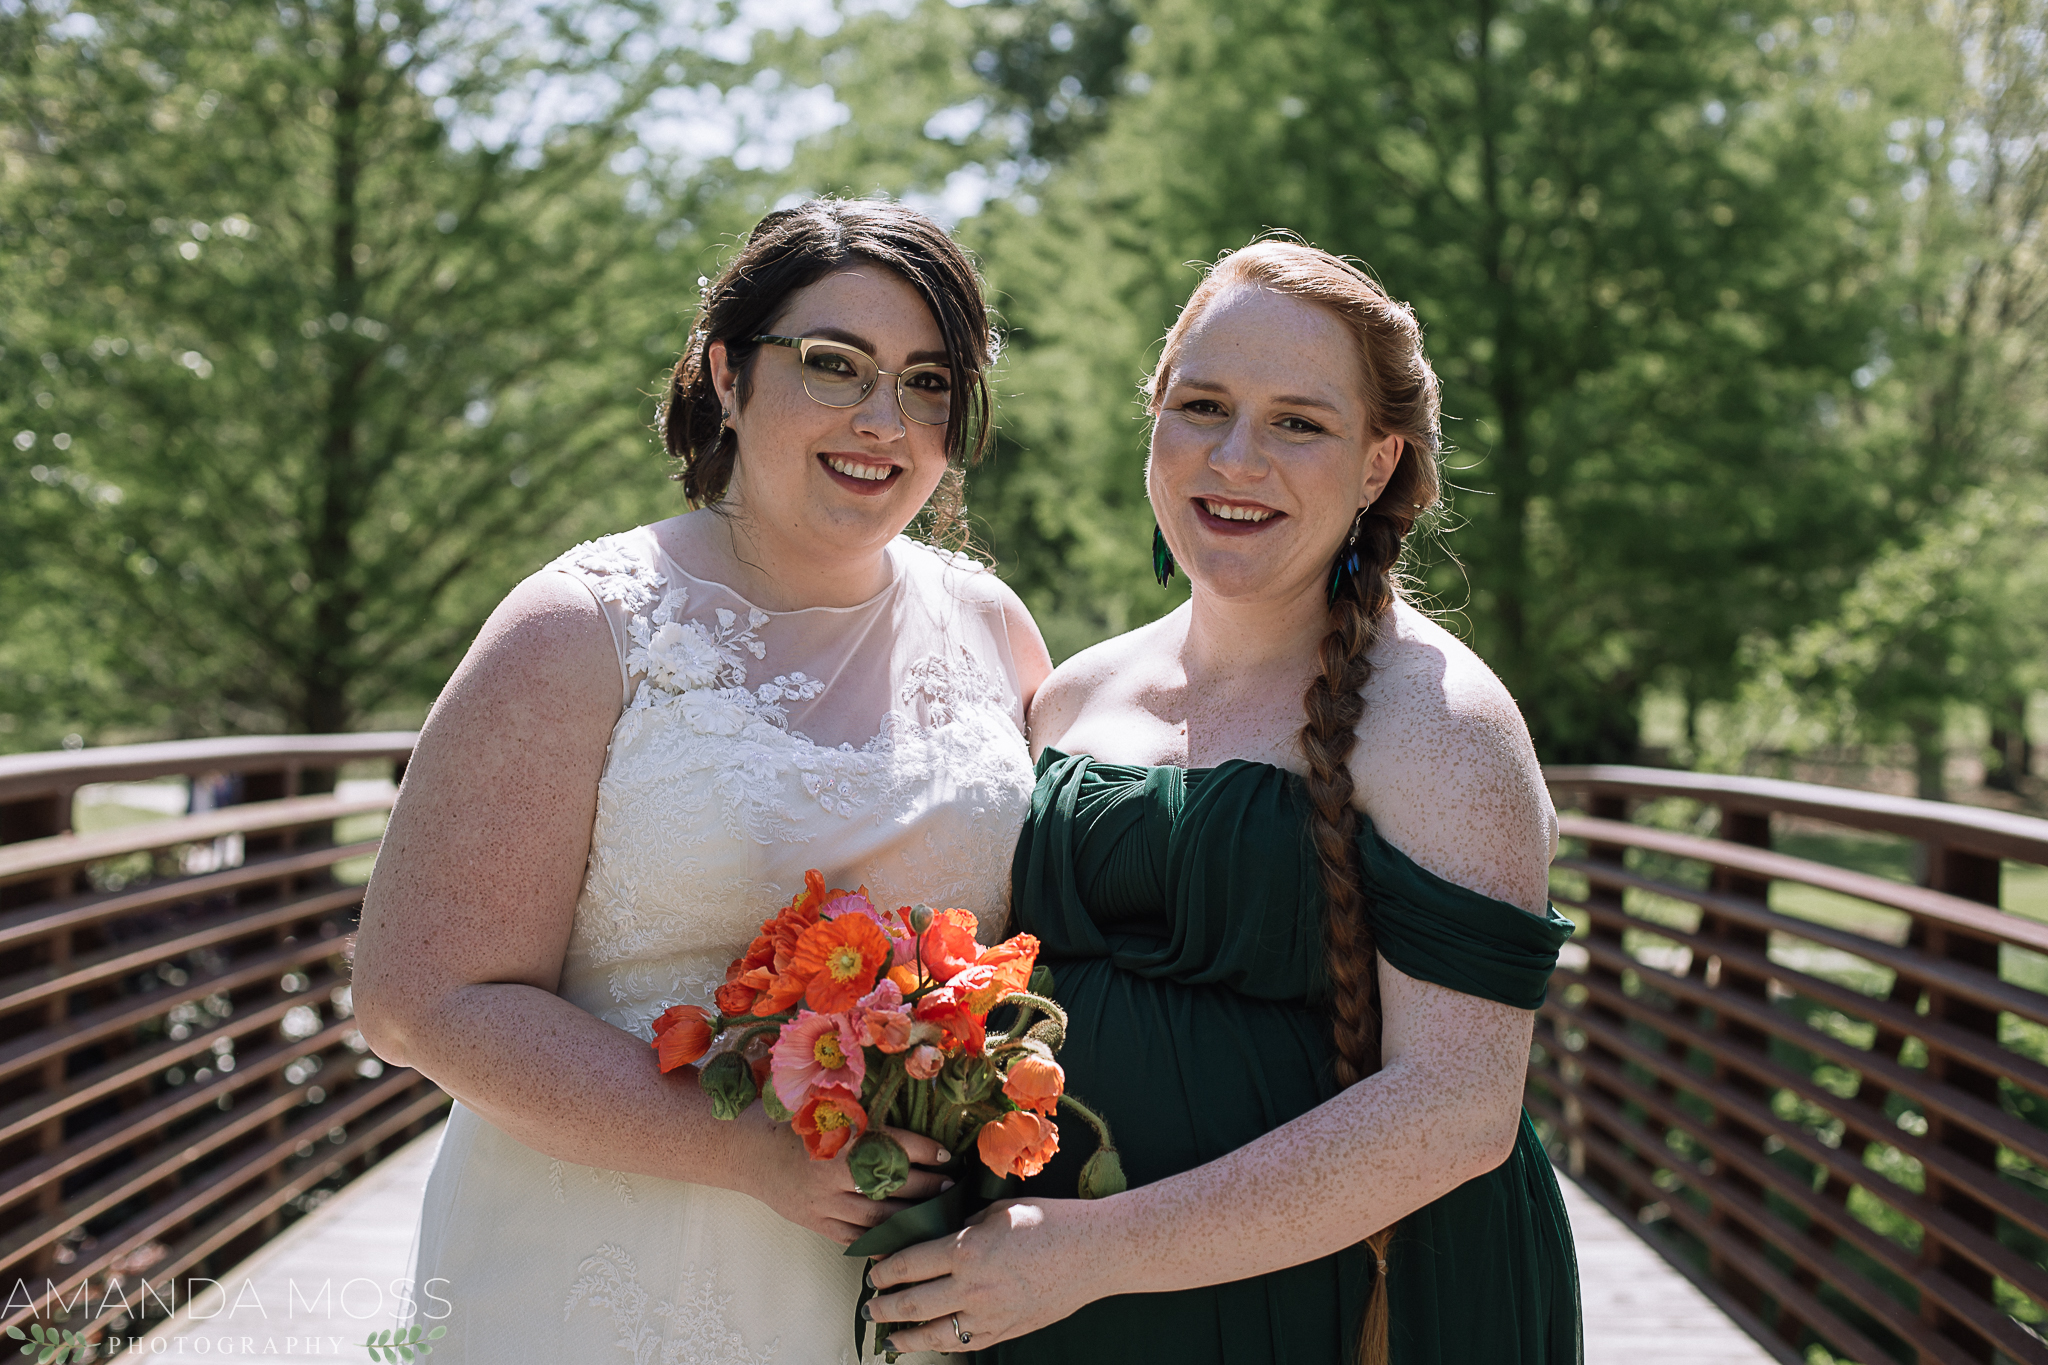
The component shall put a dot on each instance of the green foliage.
(51, 1345)
(1641, 276)
(322, 341)
(1694, 304)
(1737, 307)
(409, 1343)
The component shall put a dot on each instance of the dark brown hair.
(790, 250)
(1402, 399)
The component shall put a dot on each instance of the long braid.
(1403, 398)
(1335, 703)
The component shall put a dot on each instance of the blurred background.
(323, 323)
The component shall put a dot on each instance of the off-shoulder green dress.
(1181, 914)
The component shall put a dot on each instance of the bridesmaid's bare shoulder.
(1108, 675)
(1446, 769)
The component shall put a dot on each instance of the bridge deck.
(1637, 1307)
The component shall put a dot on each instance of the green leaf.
(437, 1334)
(17, 1334)
(404, 1352)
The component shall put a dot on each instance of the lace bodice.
(881, 743)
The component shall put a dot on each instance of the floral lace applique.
(701, 1317)
(614, 571)
(686, 660)
(943, 683)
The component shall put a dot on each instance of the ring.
(965, 1337)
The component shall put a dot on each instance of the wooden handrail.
(1755, 1110)
(171, 1046)
(23, 775)
(1993, 833)
(61, 852)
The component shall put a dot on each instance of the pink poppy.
(884, 1022)
(816, 1052)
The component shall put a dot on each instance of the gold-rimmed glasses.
(840, 376)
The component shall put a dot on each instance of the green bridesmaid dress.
(1181, 914)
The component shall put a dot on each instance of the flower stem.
(1093, 1119)
(1027, 1004)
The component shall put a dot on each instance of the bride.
(645, 749)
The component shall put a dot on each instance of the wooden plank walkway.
(1637, 1306)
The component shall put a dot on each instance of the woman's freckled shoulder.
(1446, 768)
(1098, 673)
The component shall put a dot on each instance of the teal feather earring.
(1162, 558)
(1346, 568)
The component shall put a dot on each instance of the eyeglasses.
(840, 376)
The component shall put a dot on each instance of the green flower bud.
(1103, 1175)
(772, 1102)
(966, 1080)
(1041, 982)
(729, 1081)
(920, 918)
(1049, 1032)
(879, 1164)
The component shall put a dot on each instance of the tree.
(1635, 246)
(336, 328)
(1962, 401)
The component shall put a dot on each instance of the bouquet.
(842, 1017)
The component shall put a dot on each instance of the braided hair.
(790, 250)
(1402, 399)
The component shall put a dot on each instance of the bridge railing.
(180, 1074)
(1821, 1092)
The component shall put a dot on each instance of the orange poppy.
(1012, 960)
(964, 1029)
(1036, 1083)
(837, 961)
(681, 1035)
(765, 967)
(1018, 1143)
(828, 1121)
(924, 1062)
(736, 998)
(948, 946)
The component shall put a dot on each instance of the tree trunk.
(2012, 755)
(1930, 758)
(336, 495)
(1509, 456)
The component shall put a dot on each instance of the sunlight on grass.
(2023, 889)
(1840, 912)
(102, 816)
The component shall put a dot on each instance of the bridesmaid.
(1287, 855)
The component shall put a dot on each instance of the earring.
(1346, 568)
(1162, 558)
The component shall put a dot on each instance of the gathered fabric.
(1181, 911)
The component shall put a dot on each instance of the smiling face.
(1263, 449)
(842, 481)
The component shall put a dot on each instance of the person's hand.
(820, 1195)
(1017, 1266)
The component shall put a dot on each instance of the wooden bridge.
(1796, 1065)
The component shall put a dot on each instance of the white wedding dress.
(881, 744)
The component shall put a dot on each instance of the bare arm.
(1027, 646)
(467, 919)
(1442, 1110)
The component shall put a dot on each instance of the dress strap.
(622, 573)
